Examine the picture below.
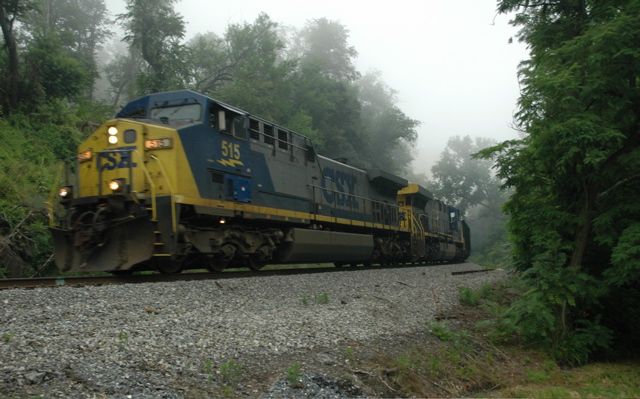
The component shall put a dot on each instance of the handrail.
(154, 212)
(174, 221)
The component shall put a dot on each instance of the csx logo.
(345, 185)
(117, 160)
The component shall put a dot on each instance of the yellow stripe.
(254, 209)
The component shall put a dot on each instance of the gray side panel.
(314, 246)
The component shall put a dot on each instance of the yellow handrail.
(154, 214)
(174, 221)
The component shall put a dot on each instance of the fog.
(450, 61)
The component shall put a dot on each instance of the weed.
(123, 338)
(349, 353)
(435, 366)
(208, 370)
(227, 391)
(597, 380)
(486, 294)
(6, 337)
(304, 300)
(468, 297)
(231, 372)
(442, 332)
(549, 365)
(321, 298)
(294, 376)
(537, 376)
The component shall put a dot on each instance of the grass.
(231, 372)
(464, 362)
(598, 380)
(321, 299)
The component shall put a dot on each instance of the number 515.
(230, 150)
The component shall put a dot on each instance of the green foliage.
(317, 298)
(231, 372)
(77, 29)
(392, 133)
(494, 252)
(324, 44)
(467, 181)
(294, 376)
(155, 30)
(321, 298)
(208, 369)
(54, 73)
(32, 146)
(444, 333)
(6, 337)
(469, 297)
(123, 338)
(574, 211)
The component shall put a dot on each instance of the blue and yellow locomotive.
(179, 180)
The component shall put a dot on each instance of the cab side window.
(240, 127)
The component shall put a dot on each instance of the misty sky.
(449, 60)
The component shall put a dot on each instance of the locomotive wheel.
(255, 264)
(215, 265)
(167, 266)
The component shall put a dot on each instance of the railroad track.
(38, 282)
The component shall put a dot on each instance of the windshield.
(177, 113)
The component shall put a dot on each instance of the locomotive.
(181, 181)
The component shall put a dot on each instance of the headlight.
(113, 131)
(84, 156)
(65, 192)
(117, 185)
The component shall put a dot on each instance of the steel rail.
(75, 281)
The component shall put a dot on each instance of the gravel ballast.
(200, 338)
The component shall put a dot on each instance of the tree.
(121, 74)
(469, 183)
(53, 73)
(465, 181)
(155, 29)
(211, 68)
(389, 128)
(324, 43)
(576, 174)
(261, 77)
(323, 88)
(87, 23)
(335, 109)
(80, 26)
(10, 12)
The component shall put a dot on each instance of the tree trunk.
(584, 232)
(10, 45)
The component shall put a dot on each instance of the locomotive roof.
(417, 190)
(385, 178)
(142, 105)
